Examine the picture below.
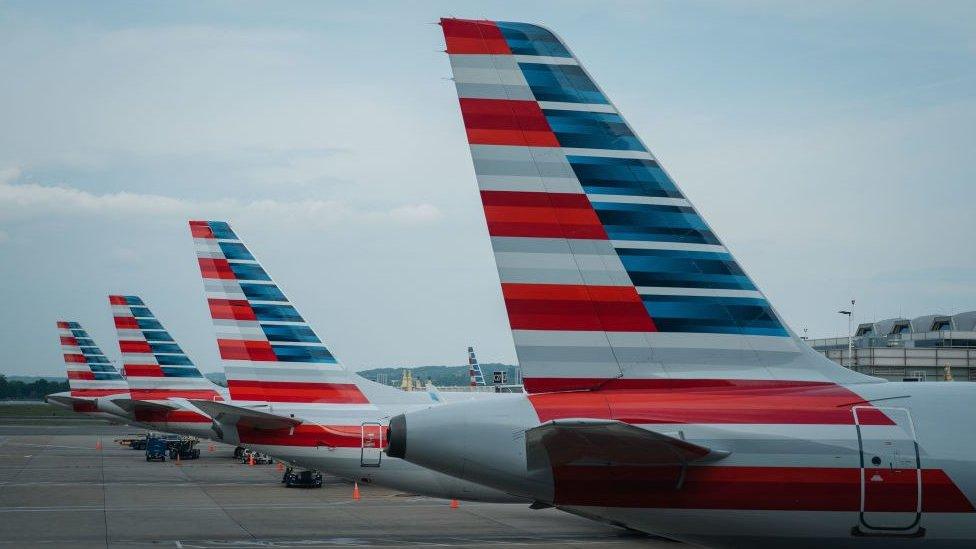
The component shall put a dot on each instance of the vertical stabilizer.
(474, 369)
(270, 353)
(90, 374)
(154, 364)
(607, 270)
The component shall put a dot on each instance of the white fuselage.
(348, 441)
(793, 481)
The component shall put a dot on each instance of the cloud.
(416, 213)
(9, 174)
(20, 202)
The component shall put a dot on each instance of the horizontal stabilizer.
(130, 405)
(66, 400)
(609, 443)
(228, 414)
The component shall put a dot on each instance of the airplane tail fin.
(474, 369)
(433, 392)
(90, 374)
(269, 351)
(607, 270)
(154, 364)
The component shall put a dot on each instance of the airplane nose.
(397, 437)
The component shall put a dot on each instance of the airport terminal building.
(927, 348)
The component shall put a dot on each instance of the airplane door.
(891, 477)
(372, 444)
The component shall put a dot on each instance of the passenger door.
(371, 444)
(891, 477)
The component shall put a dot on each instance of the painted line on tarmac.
(377, 503)
(49, 446)
(447, 541)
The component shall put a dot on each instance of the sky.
(829, 144)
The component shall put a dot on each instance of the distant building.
(927, 348)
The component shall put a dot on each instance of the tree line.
(34, 390)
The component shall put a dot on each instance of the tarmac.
(57, 489)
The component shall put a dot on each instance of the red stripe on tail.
(142, 370)
(701, 401)
(506, 122)
(215, 268)
(576, 308)
(201, 229)
(231, 309)
(126, 323)
(464, 36)
(139, 347)
(236, 349)
(541, 215)
(98, 392)
(293, 391)
(163, 394)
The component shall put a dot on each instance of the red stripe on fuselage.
(84, 406)
(541, 215)
(744, 488)
(310, 435)
(293, 391)
(576, 308)
(170, 416)
(650, 401)
(506, 122)
(473, 37)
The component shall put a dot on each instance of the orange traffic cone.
(355, 491)
(454, 504)
(178, 459)
(98, 444)
(281, 466)
(250, 459)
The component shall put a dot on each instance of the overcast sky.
(830, 144)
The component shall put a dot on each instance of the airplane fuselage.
(871, 464)
(349, 443)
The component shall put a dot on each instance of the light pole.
(850, 335)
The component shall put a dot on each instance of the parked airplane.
(93, 380)
(665, 393)
(161, 376)
(474, 369)
(290, 396)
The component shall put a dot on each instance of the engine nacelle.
(481, 441)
